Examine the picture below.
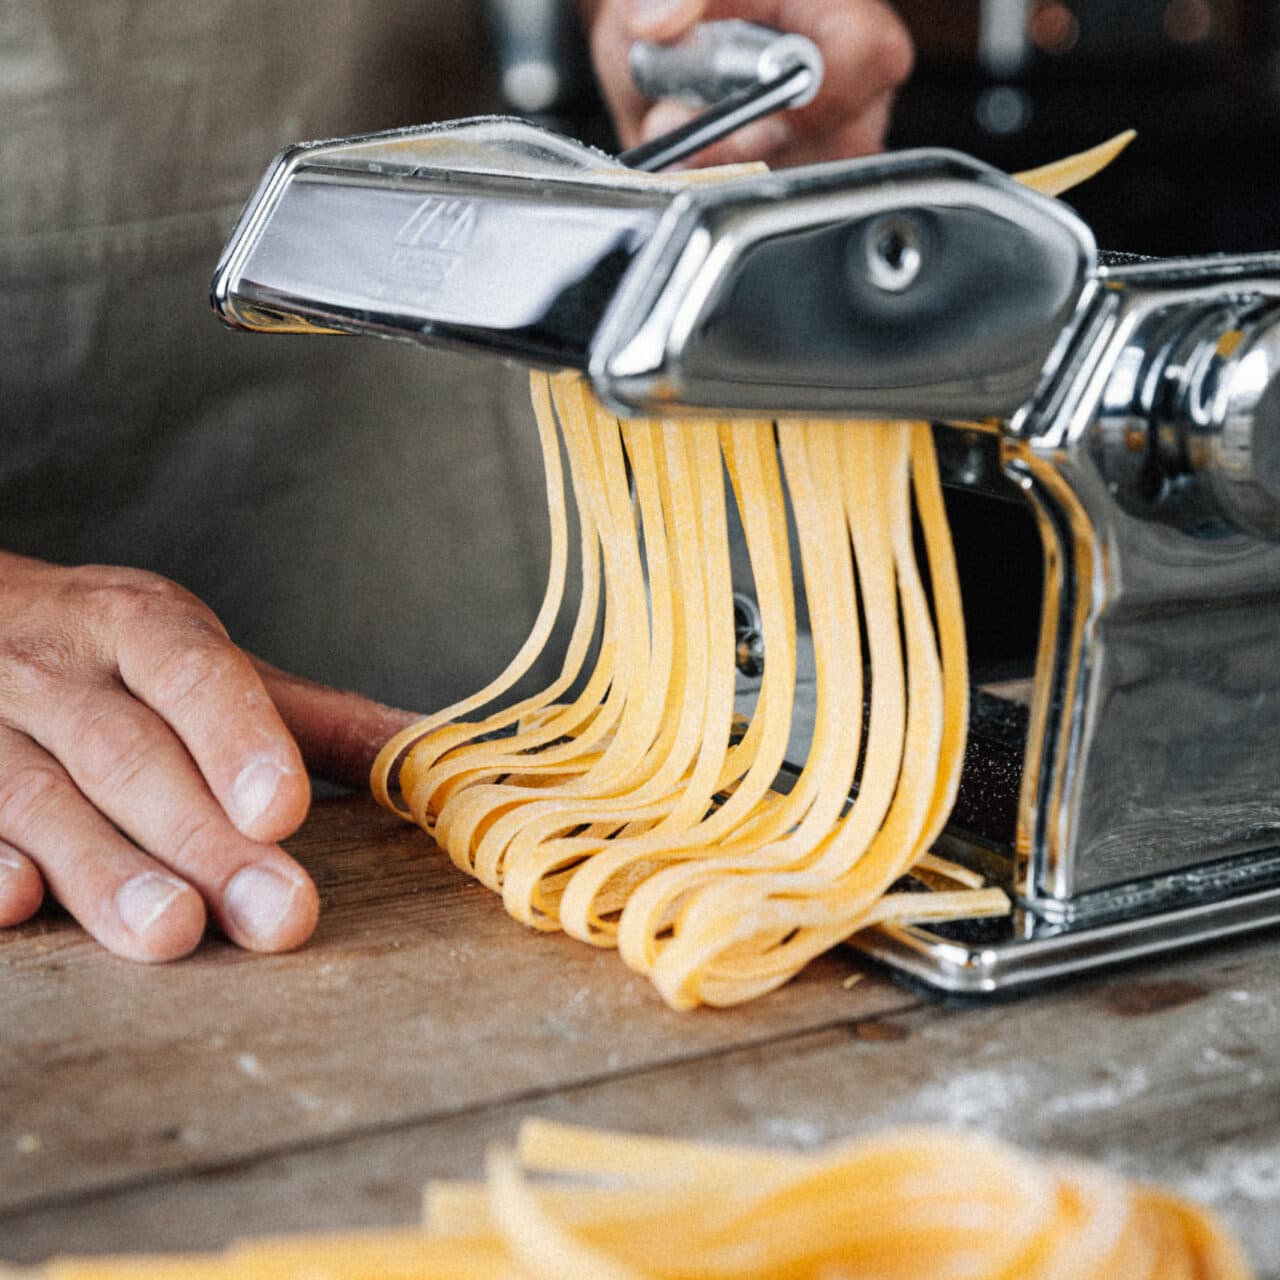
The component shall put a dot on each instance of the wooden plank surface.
(182, 1107)
(417, 997)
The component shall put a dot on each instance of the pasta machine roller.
(1125, 792)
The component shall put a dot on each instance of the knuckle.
(27, 792)
(865, 137)
(112, 754)
(34, 668)
(191, 669)
(895, 51)
(196, 832)
(869, 49)
(135, 596)
(121, 599)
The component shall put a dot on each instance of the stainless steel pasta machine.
(1128, 797)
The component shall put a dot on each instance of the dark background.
(1022, 82)
(1198, 79)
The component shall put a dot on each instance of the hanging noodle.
(636, 814)
(916, 1204)
(624, 803)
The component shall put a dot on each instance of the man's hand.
(147, 767)
(867, 51)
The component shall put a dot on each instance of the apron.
(359, 512)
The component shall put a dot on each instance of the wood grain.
(418, 997)
(230, 1095)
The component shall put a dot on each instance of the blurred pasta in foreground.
(582, 1204)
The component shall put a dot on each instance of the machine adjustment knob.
(1232, 428)
(1189, 433)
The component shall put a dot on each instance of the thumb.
(339, 733)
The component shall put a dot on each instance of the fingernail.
(645, 13)
(144, 899)
(258, 899)
(253, 791)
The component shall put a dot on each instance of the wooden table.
(230, 1095)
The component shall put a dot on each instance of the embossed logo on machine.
(433, 239)
(440, 222)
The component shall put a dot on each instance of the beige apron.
(361, 512)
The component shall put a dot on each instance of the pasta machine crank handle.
(739, 70)
(726, 117)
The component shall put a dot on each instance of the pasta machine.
(1125, 789)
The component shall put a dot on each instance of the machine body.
(1133, 409)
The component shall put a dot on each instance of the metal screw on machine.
(741, 71)
(893, 252)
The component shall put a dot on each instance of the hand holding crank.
(866, 49)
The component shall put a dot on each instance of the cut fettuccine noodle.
(915, 1204)
(1053, 179)
(636, 812)
(625, 803)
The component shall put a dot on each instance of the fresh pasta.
(626, 803)
(915, 1204)
(640, 813)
